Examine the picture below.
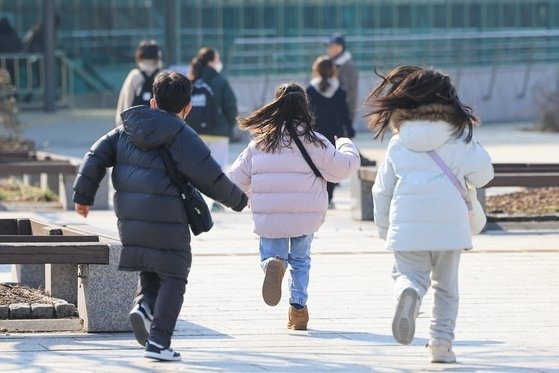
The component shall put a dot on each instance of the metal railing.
(285, 55)
(27, 72)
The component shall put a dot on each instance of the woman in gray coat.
(152, 223)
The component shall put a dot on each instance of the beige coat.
(285, 196)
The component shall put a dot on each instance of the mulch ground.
(11, 293)
(530, 201)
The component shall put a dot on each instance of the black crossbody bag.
(197, 211)
(304, 152)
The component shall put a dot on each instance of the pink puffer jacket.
(285, 196)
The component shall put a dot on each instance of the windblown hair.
(205, 55)
(417, 93)
(271, 124)
(324, 68)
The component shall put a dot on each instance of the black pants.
(330, 189)
(164, 296)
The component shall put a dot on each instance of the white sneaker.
(441, 351)
(158, 352)
(403, 324)
(141, 318)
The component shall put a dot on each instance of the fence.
(27, 72)
(274, 56)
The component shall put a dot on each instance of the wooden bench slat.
(37, 167)
(528, 179)
(524, 178)
(526, 167)
(29, 238)
(54, 253)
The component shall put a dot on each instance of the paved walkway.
(508, 314)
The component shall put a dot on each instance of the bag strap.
(172, 171)
(304, 152)
(439, 161)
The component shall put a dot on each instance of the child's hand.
(82, 210)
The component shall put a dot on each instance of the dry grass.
(12, 190)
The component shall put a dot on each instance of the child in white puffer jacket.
(417, 208)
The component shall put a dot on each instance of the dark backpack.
(147, 89)
(204, 114)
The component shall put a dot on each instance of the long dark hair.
(205, 55)
(288, 113)
(412, 87)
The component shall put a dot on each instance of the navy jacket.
(152, 222)
(331, 113)
(225, 100)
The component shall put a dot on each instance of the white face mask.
(218, 67)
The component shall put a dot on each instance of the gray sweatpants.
(439, 269)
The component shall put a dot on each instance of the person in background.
(207, 65)
(288, 199)
(328, 103)
(348, 75)
(9, 43)
(138, 85)
(418, 210)
(33, 41)
(152, 222)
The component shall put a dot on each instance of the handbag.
(478, 220)
(304, 152)
(197, 211)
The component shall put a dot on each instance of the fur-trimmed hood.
(429, 113)
(424, 128)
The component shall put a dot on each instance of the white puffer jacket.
(285, 196)
(416, 206)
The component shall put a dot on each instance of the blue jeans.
(295, 251)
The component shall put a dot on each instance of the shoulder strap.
(304, 152)
(144, 75)
(439, 161)
(172, 170)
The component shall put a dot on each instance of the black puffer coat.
(225, 100)
(151, 220)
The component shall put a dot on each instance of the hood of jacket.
(342, 58)
(149, 128)
(330, 91)
(424, 128)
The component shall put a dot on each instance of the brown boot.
(271, 287)
(298, 319)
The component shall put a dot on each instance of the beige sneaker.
(298, 319)
(271, 287)
(403, 324)
(441, 351)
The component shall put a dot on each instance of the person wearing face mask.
(138, 85)
(206, 65)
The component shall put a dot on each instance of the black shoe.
(140, 319)
(158, 352)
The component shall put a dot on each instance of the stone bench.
(49, 171)
(71, 265)
(506, 175)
